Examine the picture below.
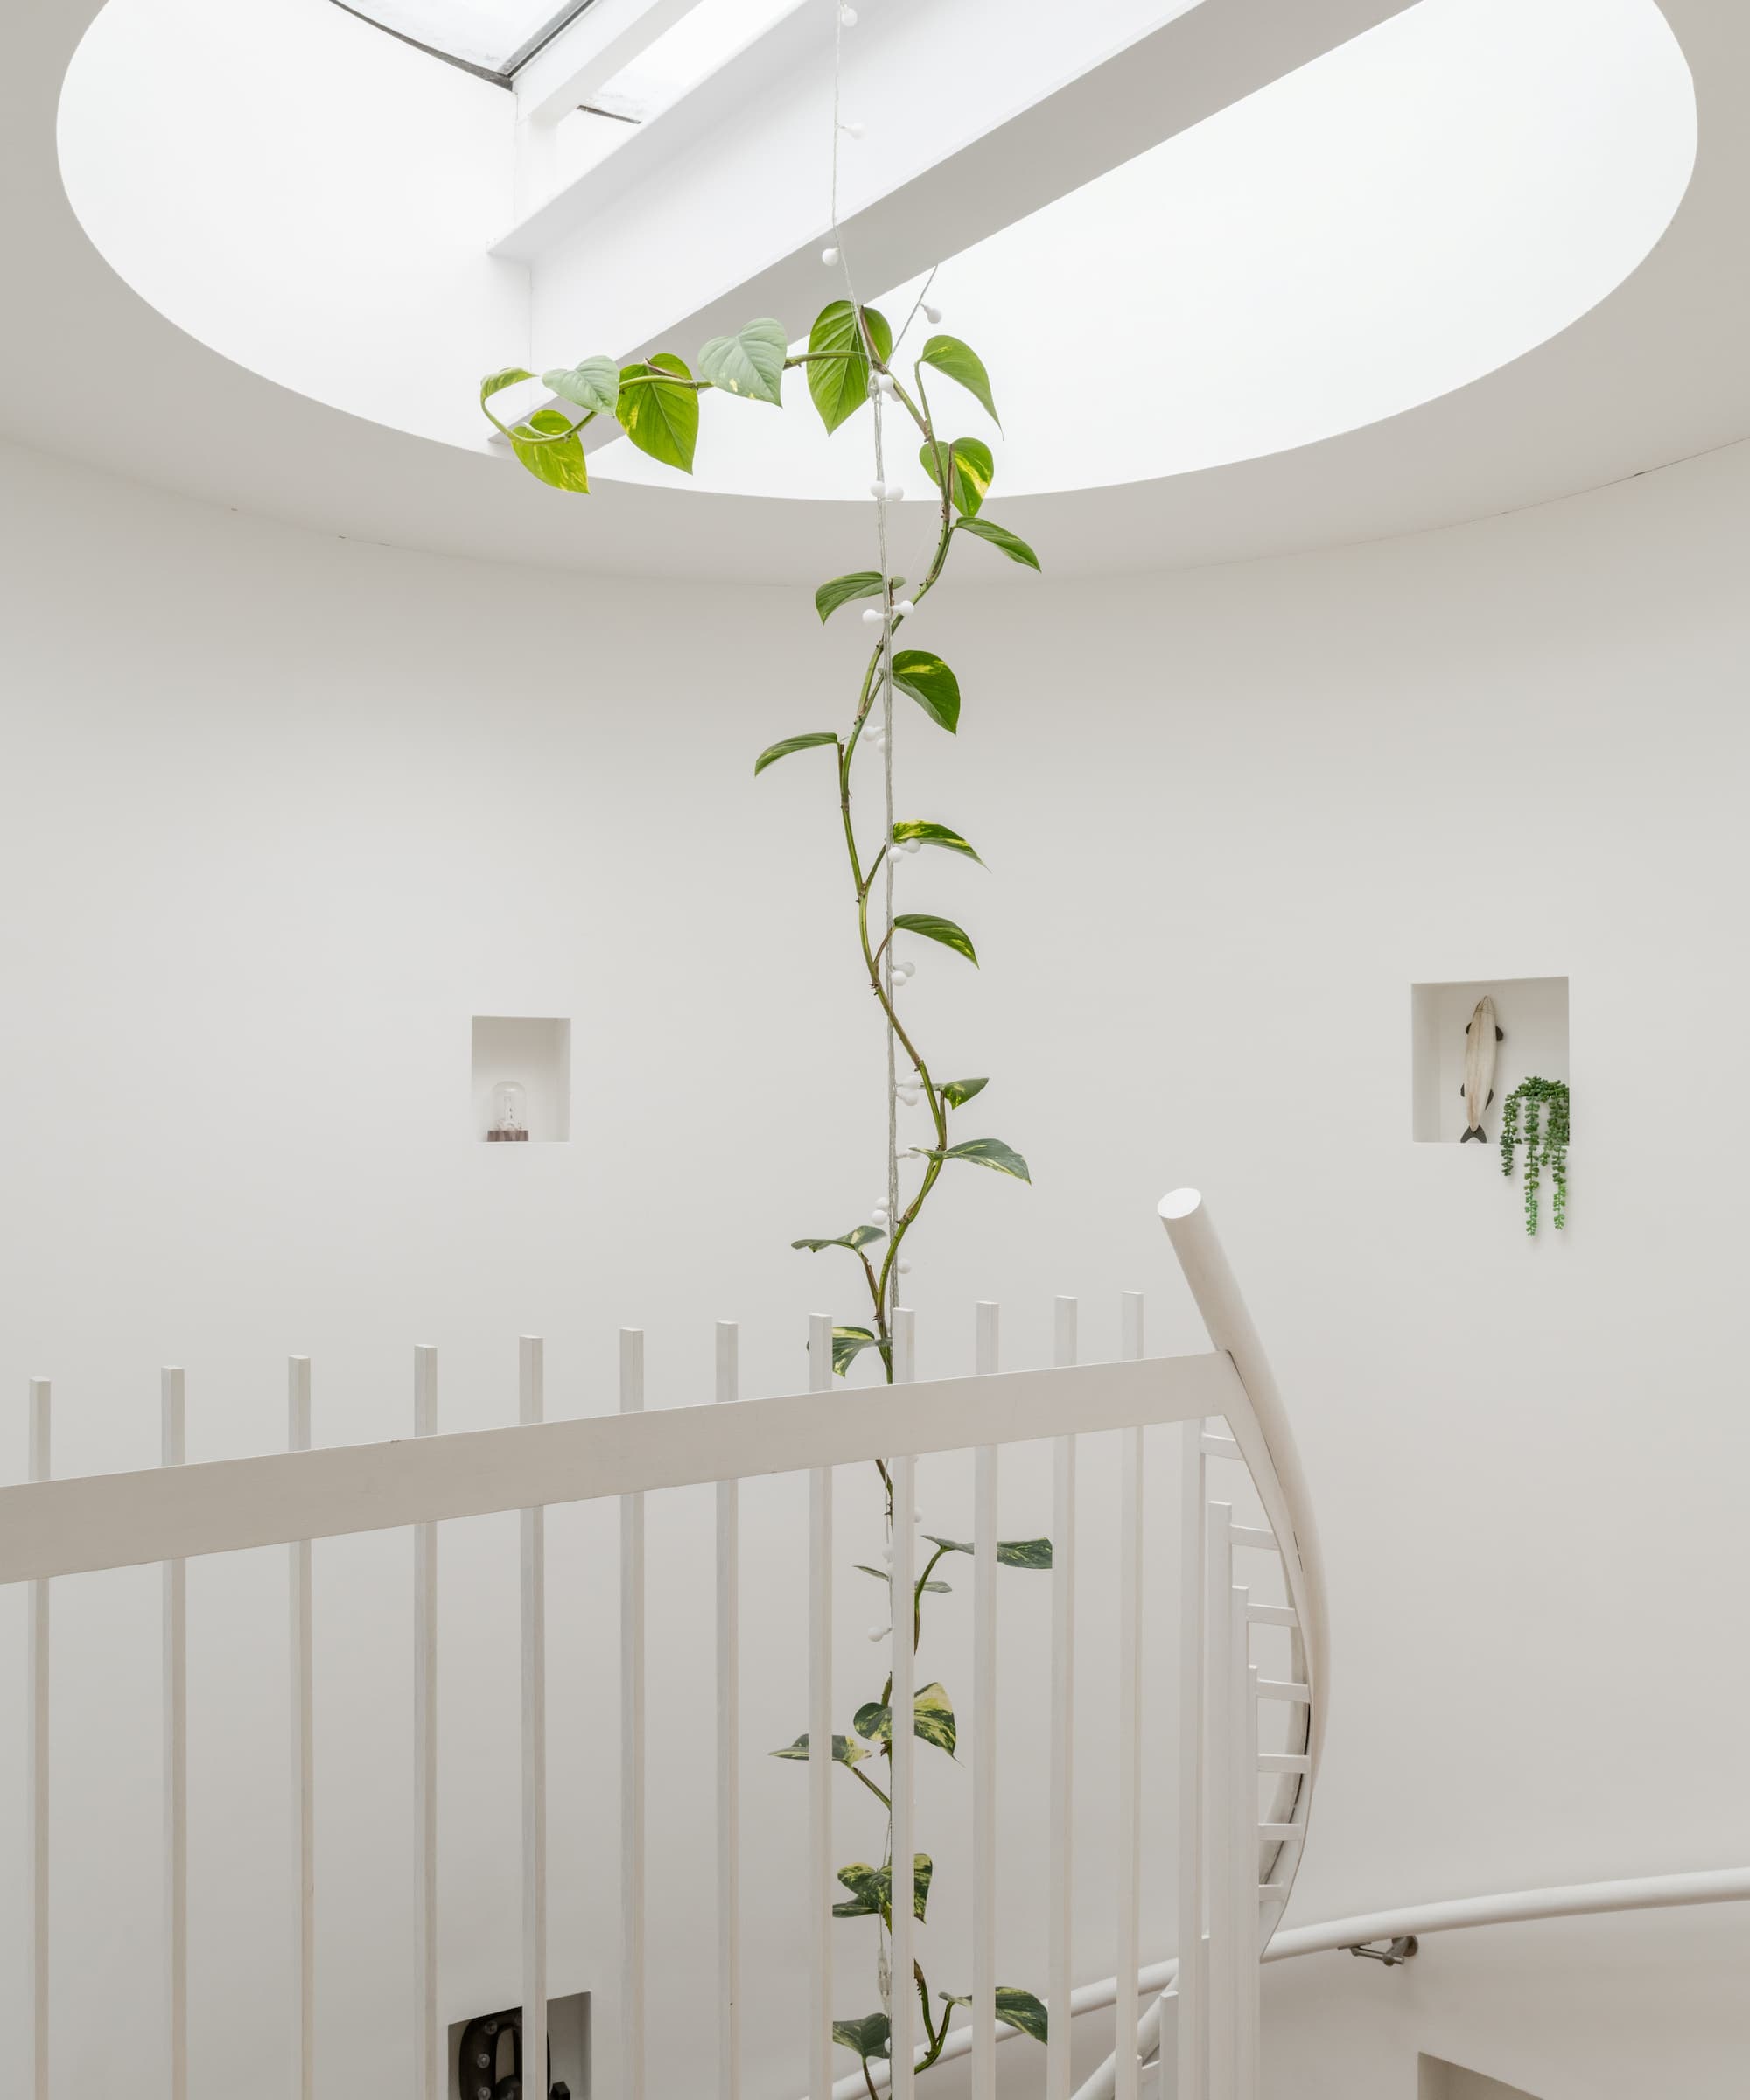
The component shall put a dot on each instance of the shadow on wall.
(1436, 2079)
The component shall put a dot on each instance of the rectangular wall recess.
(568, 2043)
(529, 1053)
(1438, 2080)
(1532, 1015)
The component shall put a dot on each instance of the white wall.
(283, 812)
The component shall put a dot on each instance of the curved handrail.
(1576, 1900)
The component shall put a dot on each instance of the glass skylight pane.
(490, 34)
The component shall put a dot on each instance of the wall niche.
(1532, 1014)
(522, 1078)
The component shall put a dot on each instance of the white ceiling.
(1656, 372)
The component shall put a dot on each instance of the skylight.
(489, 37)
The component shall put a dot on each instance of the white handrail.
(1583, 1899)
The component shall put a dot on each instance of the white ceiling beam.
(707, 195)
(585, 56)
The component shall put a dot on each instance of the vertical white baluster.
(1251, 2050)
(820, 1736)
(984, 1739)
(1194, 1980)
(175, 1762)
(728, 1744)
(1129, 1721)
(1243, 1861)
(430, 2071)
(1218, 1753)
(1060, 1891)
(531, 1407)
(37, 1776)
(631, 1742)
(303, 2080)
(904, 1475)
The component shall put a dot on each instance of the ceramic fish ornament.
(1481, 1035)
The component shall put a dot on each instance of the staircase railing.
(1238, 1861)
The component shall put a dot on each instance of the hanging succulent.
(1545, 1100)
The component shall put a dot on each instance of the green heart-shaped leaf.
(869, 2038)
(495, 382)
(838, 370)
(1018, 2008)
(948, 353)
(932, 1720)
(849, 1343)
(1012, 543)
(660, 418)
(933, 834)
(772, 752)
(845, 1750)
(1010, 1552)
(866, 582)
(927, 679)
(591, 383)
(987, 1152)
(933, 929)
(750, 362)
(859, 1237)
(957, 1092)
(970, 471)
(871, 1888)
(551, 454)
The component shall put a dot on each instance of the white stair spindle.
(531, 1407)
(632, 1829)
(903, 1473)
(728, 1744)
(1060, 1888)
(36, 1778)
(1251, 2037)
(984, 1736)
(820, 1878)
(1191, 2044)
(175, 1761)
(303, 2078)
(1218, 1794)
(1243, 1862)
(1129, 1890)
(430, 2079)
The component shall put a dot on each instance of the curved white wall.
(287, 809)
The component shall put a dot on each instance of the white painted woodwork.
(124, 1519)
(986, 1358)
(1190, 2046)
(1128, 1868)
(1277, 1687)
(302, 2079)
(632, 1668)
(1217, 1446)
(1218, 1797)
(175, 1773)
(429, 2069)
(37, 1771)
(728, 1742)
(530, 1407)
(1060, 1889)
(903, 1775)
(820, 1876)
(1275, 1614)
(1241, 1808)
(1256, 1536)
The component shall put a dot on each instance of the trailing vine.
(852, 361)
(1531, 1099)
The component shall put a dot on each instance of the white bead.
(904, 1268)
(848, 16)
(904, 969)
(879, 1633)
(914, 845)
(884, 382)
(903, 606)
(854, 131)
(886, 1553)
(932, 314)
(878, 490)
(828, 256)
(872, 616)
(895, 494)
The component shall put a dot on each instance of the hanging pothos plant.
(851, 361)
(1530, 1100)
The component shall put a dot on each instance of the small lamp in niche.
(510, 1113)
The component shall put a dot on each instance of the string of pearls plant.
(1529, 1100)
(851, 361)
